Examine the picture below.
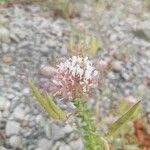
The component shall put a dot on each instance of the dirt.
(141, 134)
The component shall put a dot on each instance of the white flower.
(75, 77)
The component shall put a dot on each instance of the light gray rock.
(23, 44)
(116, 65)
(2, 148)
(68, 129)
(48, 130)
(3, 21)
(4, 103)
(113, 37)
(125, 76)
(51, 131)
(77, 145)
(15, 141)
(18, 12)
(111, 75)
(4, 34)
(40, 120)
(45, 50)
(45, 144)
(10, 96)
(19, 113)
(25, 91)
(19, 33)
(5, 47)
(64, 147)
(12, 128)
(14, 38)
(6, 113)
(56, 146)
(54, 132)
(17, 86)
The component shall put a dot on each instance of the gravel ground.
(29, 36)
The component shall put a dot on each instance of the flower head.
(75, 77)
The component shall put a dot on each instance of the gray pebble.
(15, 141)
(12, 128)
(45, 144)
(4, 34)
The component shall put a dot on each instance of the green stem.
(91, 137)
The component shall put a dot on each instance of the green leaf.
(55, 108)
(47, 103)
(123, 119)
(95, 43)
(42, 101)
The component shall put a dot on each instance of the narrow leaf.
(123, 119)
(43, 102)
(55, 108)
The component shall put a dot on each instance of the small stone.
(17, 86)
(10, 96)
(45, 144)
(64, 50)
(5, 47)
(64, 147)
(47, 130)
(14, 38)
(15, 141)
(4, 104)
(26, 91)
(4, 34)
(6, 113)
(68, 129)
(2, 148)
(131, 100)
(116, 65)
(3, 21)
(12, 128)
(45, 50)
(125, 76)
(19, 113)
(111, 75)
(77, 145)
(18, 12)
(23, 44)
(18, 34)
(7, 60)
(40, 120)
(113, 37)
(55, 134)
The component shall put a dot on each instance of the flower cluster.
(75, 77)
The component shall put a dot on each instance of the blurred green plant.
(147, 3)
(132, 112)
(48, 104)
(87, 46)
(91, 136)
